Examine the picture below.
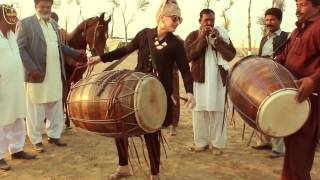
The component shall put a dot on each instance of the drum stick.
(176, 97)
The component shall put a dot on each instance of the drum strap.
(224, 83)
(154, 65)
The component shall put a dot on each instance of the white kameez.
(12, 92)
(208, 125)
(210, 95)
(50, 90)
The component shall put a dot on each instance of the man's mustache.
(269, 25)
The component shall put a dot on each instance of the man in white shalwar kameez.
(12, 95)
(42, 55)
(207, 49)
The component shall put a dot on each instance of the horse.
(92, 32)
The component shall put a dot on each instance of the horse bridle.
(84, 34)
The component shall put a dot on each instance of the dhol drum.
(263, 92)
(119, 103)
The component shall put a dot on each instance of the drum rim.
(136, 94)
(239, 62)
(267, 98)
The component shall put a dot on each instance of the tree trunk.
(249, 28)
(125, 26)
(112, 25)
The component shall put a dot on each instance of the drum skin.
(125, 107)
(251, 81)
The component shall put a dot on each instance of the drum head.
(150, 104)
(281, 115)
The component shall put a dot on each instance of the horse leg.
(67, 121)
(65, 95)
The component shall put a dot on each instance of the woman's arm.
(182, 63)
(121, 52)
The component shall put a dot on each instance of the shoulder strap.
(154, 65)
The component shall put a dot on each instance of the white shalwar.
(12, 96)
(208, 125)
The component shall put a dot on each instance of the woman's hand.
(93, 60)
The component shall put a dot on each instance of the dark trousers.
(152, 141)
(301, 147)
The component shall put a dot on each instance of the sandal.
(118, 175)
(198, 149)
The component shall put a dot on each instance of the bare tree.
(56, 4)
(279, 4)
(142, 6)
(115, 5)
(207, 4)
(225, 17)
(261, 22)
(249, 28)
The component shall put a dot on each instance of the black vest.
(278, 43)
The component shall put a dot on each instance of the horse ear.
(109, 19)
(101, 18)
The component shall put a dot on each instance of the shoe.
(217, 151)
(23, 155)
(121, 172)
(57, 142)
(275, 154)
(173, 131)
(262, 147)
(199, 149)
(68, 128)
(154, 177)
(39, 147)
(4, 165)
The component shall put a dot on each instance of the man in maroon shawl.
(302, 58)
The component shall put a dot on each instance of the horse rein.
(94, 35)
(84, 34)
(88, 73)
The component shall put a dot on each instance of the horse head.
(96, 34)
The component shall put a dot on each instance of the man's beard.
(45, 17)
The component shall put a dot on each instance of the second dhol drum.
(264, 93)
(118, 103)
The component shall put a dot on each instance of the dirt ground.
(93, 157)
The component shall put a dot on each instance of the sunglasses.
(176, 19)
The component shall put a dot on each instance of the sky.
(190, 12)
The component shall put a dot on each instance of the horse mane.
(81, 26)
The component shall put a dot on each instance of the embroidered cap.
(9, 14)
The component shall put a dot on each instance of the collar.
(2, 35)
(41, 20)
(303, 25)
(276, 33)
(155, 34)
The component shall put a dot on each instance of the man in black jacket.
(270, 45)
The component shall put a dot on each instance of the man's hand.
(80, 64)
(306, 86)
(83, 54)
(191, 103)
(93, 60)
(35, 75)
